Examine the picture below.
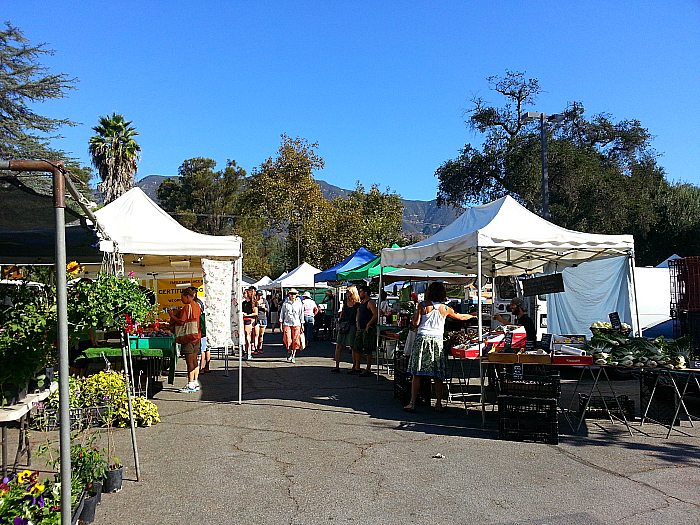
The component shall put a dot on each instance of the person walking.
(366, 336)
(347, 327)
(292, 323)
(204, 352)
(185, 323)
(250, 319)
(263, 309)
(310, 311)
(427, 355)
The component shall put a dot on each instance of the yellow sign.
(169, 293)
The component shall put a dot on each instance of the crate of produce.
(519, 429)
(534, 358)
(465, 352)
(530, 385)
(539, 408)
(502, 357)
(598, 406)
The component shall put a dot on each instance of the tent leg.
(634, 293)
(480, 332)
(226, 361)
(125, 345)
(240, 375)
(381, 275)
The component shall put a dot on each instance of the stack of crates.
(402, 383)
(685, 298)
(527, 407)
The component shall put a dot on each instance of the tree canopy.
(603, 175)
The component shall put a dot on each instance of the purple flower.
(20, 521)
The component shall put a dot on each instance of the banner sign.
(169, 294)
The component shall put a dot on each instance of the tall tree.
(115, 154)
(603, 175)
(24, 81)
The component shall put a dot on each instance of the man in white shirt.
(310, 311)
(292, 323)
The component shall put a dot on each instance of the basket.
(548, 386)
(599, 406)
(533, 408)
(607, 331)
(528, 430)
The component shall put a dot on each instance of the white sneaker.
(188, 388)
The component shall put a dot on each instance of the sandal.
(411, 407)
(439, 409)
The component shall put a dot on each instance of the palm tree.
(115, 154)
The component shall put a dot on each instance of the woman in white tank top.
(427, 356)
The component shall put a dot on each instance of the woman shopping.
(427, 355)
(185, 323)
(347, 327)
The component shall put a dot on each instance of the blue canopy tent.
(358, 258)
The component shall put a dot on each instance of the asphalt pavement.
(311, 447)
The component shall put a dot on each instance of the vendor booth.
(154, 245)
(358, 258)
(300, 277)
(504, 238)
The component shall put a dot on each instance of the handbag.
(302, 341)
(344, 326)
(187, 332)
(410, 339)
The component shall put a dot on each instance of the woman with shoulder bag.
(346, 326)
(185, 322)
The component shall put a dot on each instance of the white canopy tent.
(300, 277)
(153, 243)
(262, 282)
(504, 238)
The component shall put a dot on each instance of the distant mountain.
(420, 218)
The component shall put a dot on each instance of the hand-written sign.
(546, 342)
(517, 371)
(615, 320)
(553, 283)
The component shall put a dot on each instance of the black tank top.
(365, 315)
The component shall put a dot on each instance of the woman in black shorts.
(250, 319)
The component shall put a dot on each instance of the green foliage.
(24, 497)
(106, 303)
(87, 461)
(603, 175)
(115, 154)
(24, 82)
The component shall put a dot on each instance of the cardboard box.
(543, 359)
(576, 341)
(465, 353)
(502, 357)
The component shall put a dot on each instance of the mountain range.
(420, 218)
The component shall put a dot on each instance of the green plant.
(24, 499)
(145, 412)
(87, 461)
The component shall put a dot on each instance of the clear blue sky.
(381, 86)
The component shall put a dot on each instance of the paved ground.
(311, 447)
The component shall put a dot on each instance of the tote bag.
(189, 331)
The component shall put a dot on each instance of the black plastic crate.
(518, 429)
(535, 408)
(665, 400)
(598, 406)
(530, 385)
(46, 419)
(402, 388)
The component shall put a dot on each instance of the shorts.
(203, 345)
(189, 348)
(366, 340)
(263, 322)
(348, 338)
(249, 322)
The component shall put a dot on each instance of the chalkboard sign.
(615, 320)
(546, 342)
(517, 371)
(508, 341)
(553, 283)
(529, 346)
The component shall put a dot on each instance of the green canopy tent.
(366, 271)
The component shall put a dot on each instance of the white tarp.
(140, 226)
(513, 240)
(300, 277)
(404, 274)
(591, 291)
(262, 282)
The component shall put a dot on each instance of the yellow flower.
(38, 488)
(24, 476)
(74, 268)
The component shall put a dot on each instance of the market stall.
(504, 238)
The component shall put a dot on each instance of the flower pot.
(87, 515)
(95, 489)
(113, 481)
(78, 509)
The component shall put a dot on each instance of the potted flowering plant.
(24, 499)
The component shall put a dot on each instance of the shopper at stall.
(385, 307)
(263, 308)
(292, 323)
(185, 323)
(310, 311)
(366, 336)
(427, 355)
(516, 308)
(275, 305)
(250, 319)
(204, 352)
(347, 327)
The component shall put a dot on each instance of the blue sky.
(381, 86)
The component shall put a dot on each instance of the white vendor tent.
(262, 282)
(504, 238)
(300, 277)
(152, 243)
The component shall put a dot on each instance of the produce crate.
(542, 359)
(518, 429)
(596, 406)
(665, 400)
(541, 409)
(530, 385)
(150, 342)
(502, 357)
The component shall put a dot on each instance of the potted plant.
(25, 499)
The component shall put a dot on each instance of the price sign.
(546, 342)
(529, 346)
(517, 371)
(508, 342)
(553, 283)
(615, 320)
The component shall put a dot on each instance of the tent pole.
(381, 275)
(634, 292)
(126, 344)
(237, 292)
(480, 332)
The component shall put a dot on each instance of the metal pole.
(129, 386)
(381, 275)
(634, 291)
(545, 168)
(480, 331)
(59, 193)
